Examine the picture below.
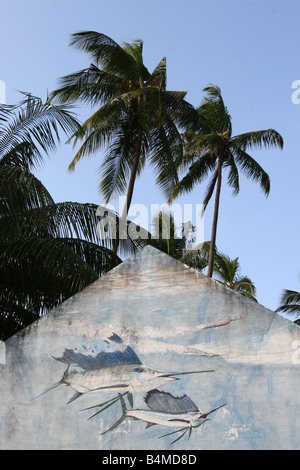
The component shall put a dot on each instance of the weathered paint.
(174, 319)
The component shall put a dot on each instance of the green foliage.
(30, 127)
(135, 116)
(48, 251)
(226, 270)
(210, 138)
(290, 304)
(166, 237)
(210, 148)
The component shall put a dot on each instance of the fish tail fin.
(123, 404)
(108, 404)
(122, 417)
(57, 384)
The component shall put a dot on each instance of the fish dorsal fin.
(167, 403)
(116, 338)
(103, 359)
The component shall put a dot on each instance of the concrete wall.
(149, 316)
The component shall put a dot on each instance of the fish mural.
(123, 373)
(165, 409)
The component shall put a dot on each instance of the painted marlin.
(165, 409)
(120, 371)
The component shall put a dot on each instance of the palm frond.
(159, 76)
(197, 257)
(135, 50)
(36, 123)
(197, 172)
(252, 169)
(259, 139)
(166, 150)
(89, 86)
(227, 271)
(226, 268)
(58, 272)
(60, 266)
(116, 165)
(56, 220)
(214, 114)
(168, 237)
(24, 155)
(105, 52)
(233, 179)
(13, 318)
(20, 190)
(100, 128)
(245, 286)
(290, 302)
(210, 189)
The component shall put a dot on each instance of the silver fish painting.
(164, 409)
(121, 372)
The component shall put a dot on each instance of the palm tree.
(48, 251)
(136, 116)
(227, 271)
(197, 256)
(290, 304)
(169, 238)
(210, 147)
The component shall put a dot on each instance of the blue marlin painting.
(120, 371)
(165, 409)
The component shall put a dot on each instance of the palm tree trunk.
(133, 173)
(215, 221)
(123, 220)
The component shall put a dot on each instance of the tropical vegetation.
(211, 148)
(290, 304)
(168, 238)
(180, 244)
(48, 251)
(136, 117)
(226, 270)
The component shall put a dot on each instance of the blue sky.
(249, 48)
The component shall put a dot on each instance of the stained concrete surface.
(174, 319)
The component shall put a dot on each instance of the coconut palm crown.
(135, 116)
(211, 147)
